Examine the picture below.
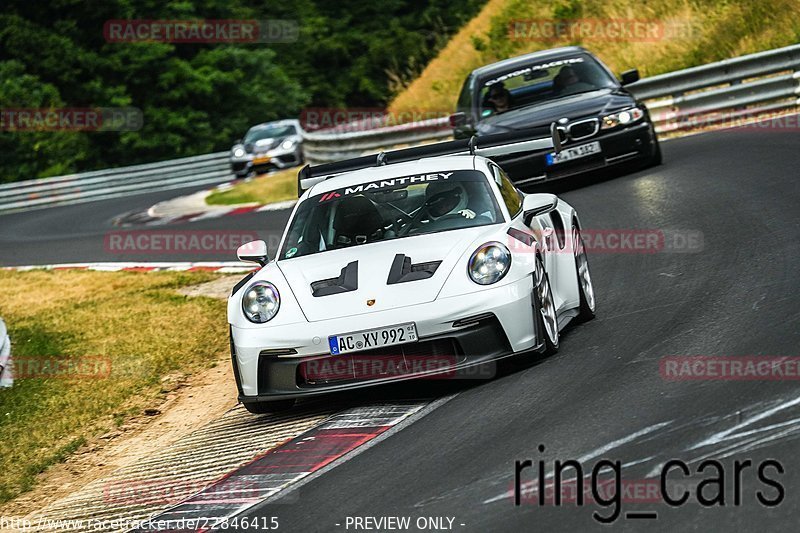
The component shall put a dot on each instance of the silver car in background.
(268, 146)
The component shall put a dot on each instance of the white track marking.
(591, 455)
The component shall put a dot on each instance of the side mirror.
(237, 141)
(253, 252)
(534, 205)
(458, 119)
(629, 76)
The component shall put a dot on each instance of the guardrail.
(709, 94)
(329, 147)
(728, 90)
(124, 181)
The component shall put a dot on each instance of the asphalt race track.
(602, 396)
(80, 233)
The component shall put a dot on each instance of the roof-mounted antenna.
(381, 159)
(473, 141)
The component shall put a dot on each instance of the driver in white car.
(448, 199)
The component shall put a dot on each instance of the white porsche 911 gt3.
(405, 270)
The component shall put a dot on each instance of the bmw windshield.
(541, 82)
(269, 132)
(389, 209)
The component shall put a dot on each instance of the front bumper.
(618, 146)
(449, 347)
(273, 160)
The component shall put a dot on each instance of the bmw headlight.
(239, 152)
(489, 263)
(621, 118)
(261, 302)
(288, 144)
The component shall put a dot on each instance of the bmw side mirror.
(629, 76)
(458, 119)
(534, 205)
(253, 252)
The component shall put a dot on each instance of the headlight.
(288, 145)
(489, 263)
(621, 118)
(239, 152)
(261, 302)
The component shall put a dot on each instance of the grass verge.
(135, 323)
(265, 189)
(694, 33)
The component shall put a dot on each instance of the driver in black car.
(498, 98)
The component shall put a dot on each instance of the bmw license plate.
(369, 339)
(574, 152)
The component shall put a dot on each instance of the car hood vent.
(403, 271)
(374, 263)
(346, 282)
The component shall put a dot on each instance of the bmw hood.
(391, 274)
(594, 103)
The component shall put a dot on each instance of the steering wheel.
(424, 210)
(442, 221)
(451, 216)
(401, 222)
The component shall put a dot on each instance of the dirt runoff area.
(189, 404)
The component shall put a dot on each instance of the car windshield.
(391, 208)
(541, 82)
(269, 132)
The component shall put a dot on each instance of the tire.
(263, 408)
(588, 302)
(656, 159)
(544, 310)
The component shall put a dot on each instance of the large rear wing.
(530, 139)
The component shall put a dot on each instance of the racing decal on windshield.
(533, 68)
(385, 184)
(329, 196)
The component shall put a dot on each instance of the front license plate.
(574, 152)
(261, 160)
(369, 339)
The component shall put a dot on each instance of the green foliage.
(567, 9)
(199, 97)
